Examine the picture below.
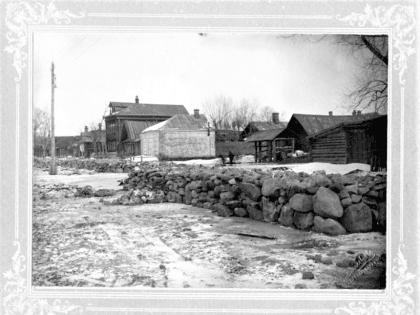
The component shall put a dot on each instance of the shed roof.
(349, 124)
(180, 122)
(137, 109)
(135, 128)
(267, 125)
(314, 124)
(265, 135)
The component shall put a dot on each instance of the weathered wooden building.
(269, 147)
(256, 126)
(302, 126)
(353, 142)
(134, 118)
(179, 137)
(91, 141)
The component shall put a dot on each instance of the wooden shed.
(180, 137)
(353, 142)
(303, 126)
(269, 147)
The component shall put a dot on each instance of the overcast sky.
(93, 69)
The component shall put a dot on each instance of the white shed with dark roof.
(179, 137)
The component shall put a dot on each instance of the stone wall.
(97, 165)
(330, 204)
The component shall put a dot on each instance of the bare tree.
(266, 114)
(244, 112)
(370, 91)
(370, 88)
(41, 128)
(219, 110)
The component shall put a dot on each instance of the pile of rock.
(97, 165)
(331, 204)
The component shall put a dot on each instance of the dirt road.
(81, 242)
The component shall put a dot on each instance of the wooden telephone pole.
(53, 166)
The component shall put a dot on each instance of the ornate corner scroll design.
(22, 14)
(401, 302)
(16, 302)
(402, 21)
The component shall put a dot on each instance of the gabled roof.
(265, 135)
(137, 109)
(267, 125)
(180, 122)
(314, 124)
(88, 137)
(351, 124)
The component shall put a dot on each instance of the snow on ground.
(328, 167)
(144, 158)
(215, 161)
(246, 162)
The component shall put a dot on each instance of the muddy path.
(82, 242)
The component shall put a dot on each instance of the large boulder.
(251, 191)
(254, 213)
(226, 196)
(223, 210)
(309, 185)
(240, 212)
(301, 203)
(327, 204)
(357, 218)
(271, 213)
(321, 179)
(303, 221)
(286, 215)
(328, 226)
(271, 187)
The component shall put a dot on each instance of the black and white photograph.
(218, 157)
(210, 160)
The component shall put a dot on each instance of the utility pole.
(53, 166)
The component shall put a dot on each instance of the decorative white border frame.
(21, 19)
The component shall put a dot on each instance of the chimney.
(354, 112)
(276, 118)
(359, 112)
(86, 129)
(330, 113)
(100, 126)
(137, 99)
(196, 113)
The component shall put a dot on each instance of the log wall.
(332, 148)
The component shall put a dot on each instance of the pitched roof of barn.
(134, 128)
(267, 125)
(314, 124)
(265, 135)
(357, 124)
(137, 109)
(181, 122)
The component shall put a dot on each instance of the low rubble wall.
(332, 204)
(97, 165)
